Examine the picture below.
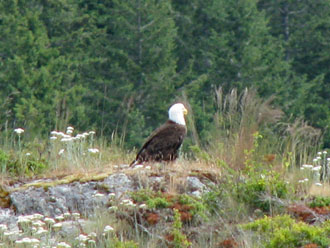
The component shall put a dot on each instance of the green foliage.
(179, 239)
(282, 231)
(196, 206)
(115, 243)
(27, 166)
(261, 190)
(158, 200)
(116, 66)
(4, 158)
(320, 201)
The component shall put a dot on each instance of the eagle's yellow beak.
(185, 111)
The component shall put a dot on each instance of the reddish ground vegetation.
(311, 246)
(228, 243)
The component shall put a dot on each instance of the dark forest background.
(116, 66)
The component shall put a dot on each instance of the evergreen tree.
(304, 27)
(24, 74)
(135, 65)
(232, 49)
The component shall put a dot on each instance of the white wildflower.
(328, 159)
(53, 138)
(66, 139)
(76, 215)
(10, 233)
(306, 179)
(63, 245)
(307, 166)
(24, 219)
(143, 206)
(57, 225)
(38, 223)
(93, 150)
(3, 227)
(37, 216)
(108, 229)
(319, 153)
(59, 218)
(41, 231)
(49, 221)
(315, 160)
(27, 240)
(318, 158)
(148, 167)
(98, 195)
(27, 154)
(79, 136)
(129, 203)
(317, 168)
(34, 241)
(82, 238)
(111, 195)
(19, 131)
(91, 132)
(69, 131)
(61, 134)
(113, 208)
(67, 215)
(61, 151)
(92, 242)
(92, 235)
(318, 184)
(70, 128)
(325, 152)
(54, 133)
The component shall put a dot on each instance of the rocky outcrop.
(55, 198)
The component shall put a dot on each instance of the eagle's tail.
(134, 162)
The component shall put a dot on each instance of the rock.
(73, 197)
(118, 183)
(194, 184)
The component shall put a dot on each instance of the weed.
(283, 231)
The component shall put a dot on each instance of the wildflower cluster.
(73, 147)
(36, 230)
(319, 170)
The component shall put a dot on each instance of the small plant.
(116, 243)
(262, 190)
(320, 201)
(4, 158)
(283, 231)
(187, 205)
(179, 240)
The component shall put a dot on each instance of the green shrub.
(179, 239)
(4, 158)
(320, 201)
(122, 244)
(159, 200)
(28, 166)
(283, 231)
(261, 190)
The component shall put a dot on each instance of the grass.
(256, 166)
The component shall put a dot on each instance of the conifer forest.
(116, 66)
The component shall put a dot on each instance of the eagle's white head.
(176, 113)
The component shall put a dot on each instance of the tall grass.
(244, 122)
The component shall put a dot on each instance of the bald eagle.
(164, 143)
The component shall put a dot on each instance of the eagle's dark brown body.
(163, 144)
